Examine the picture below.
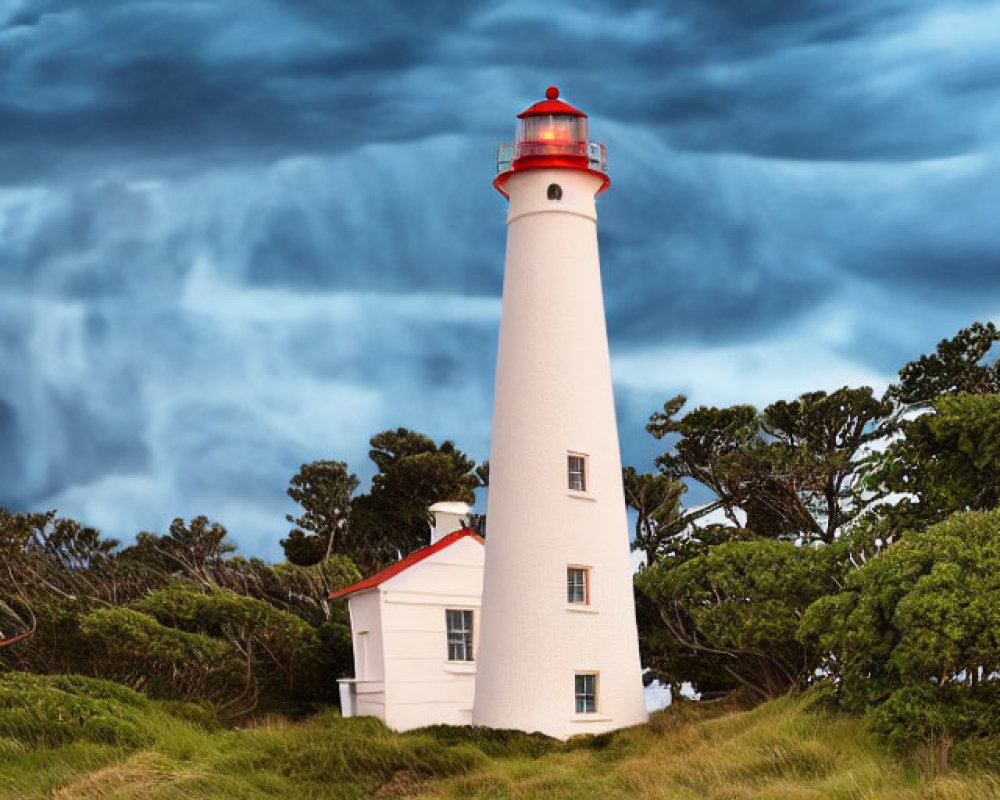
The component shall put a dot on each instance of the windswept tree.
(914, 637)
(323, 489)
(964, 364)
(943, 454)
(726, 618)
(198, 547)
(790, 471)
(824, 440)
(656, 499)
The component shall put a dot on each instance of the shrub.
(280, 650)
(915, 638)
(48, 711)
(167, 662)
(730, 614)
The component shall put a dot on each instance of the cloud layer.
(239, 236)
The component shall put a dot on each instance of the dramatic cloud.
(242, 235)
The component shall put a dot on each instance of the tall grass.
(79, 739)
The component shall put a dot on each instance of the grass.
(77, 739)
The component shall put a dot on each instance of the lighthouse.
(558, 648)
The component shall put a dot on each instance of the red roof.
(552, 105)
(413, 558)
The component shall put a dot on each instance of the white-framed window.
(586, 693)
(578, 585)
(459, 624)
(576, 472)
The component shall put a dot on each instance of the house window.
(576, 465)
(578, 585)
(586, 693)
(459, 634)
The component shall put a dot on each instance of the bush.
(915, 639)
(729, 615)
(48, 711)
(283, 650)
(165, 661)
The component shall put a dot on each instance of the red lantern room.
(551, 134)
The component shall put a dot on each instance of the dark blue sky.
(240, 235)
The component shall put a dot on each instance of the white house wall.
(405, 677)
(424, 688)
(369, 658)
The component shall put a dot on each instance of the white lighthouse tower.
(558, 650)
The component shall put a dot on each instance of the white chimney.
(448, 517)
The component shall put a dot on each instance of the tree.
(959, 365)
(708, 451)
(413, 474)
(948, 460)
(792, 470)
(730, 615)
(656, 500)
(324, 490)
(915, 635)
(198, 548)
(823, 440)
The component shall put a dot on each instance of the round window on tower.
(555, 191)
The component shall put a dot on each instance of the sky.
(241, 235)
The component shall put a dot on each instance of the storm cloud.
(238, 236)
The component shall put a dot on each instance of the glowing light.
(553, 135)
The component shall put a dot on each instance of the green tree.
(823, 441)
(656, 499)
(323, 489)
(167, 662)
(919, 621)
(198, 548)
(793, 470)
(413, 474)
(279, 651)
(730, 615)
(947, 460)
(709, 449)
(960, 365)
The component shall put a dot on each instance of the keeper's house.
(415, 627)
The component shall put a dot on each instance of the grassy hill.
(78, 739)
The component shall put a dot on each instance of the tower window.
(578, 585)
(459, 622)
(576, 465)
(554, 191)
(586, 693)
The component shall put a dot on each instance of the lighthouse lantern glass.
(551, 135)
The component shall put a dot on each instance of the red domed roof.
(551, 105)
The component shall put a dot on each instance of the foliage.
(278, 650)
(66, 608)
(656, 500)
(791, 469)
(198, 547)
(413, 474)
(379, 527)
(958, 366)
(139, 651)
(947, 460)
(915, 637)
(323, 489)
(732, 612)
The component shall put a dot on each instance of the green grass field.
(74, 738)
